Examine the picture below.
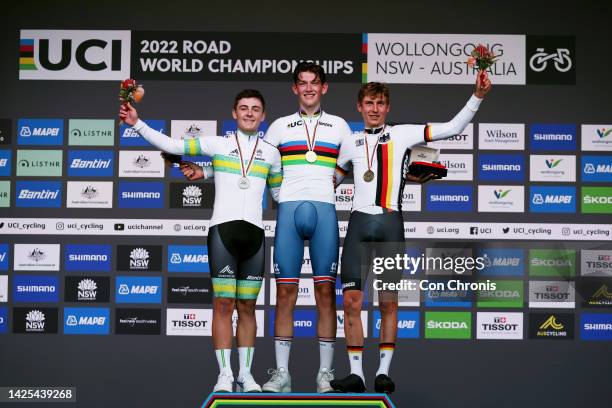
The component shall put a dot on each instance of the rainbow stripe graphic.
(240, 400)
(26, 55)
(294, 153)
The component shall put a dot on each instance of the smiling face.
(374, 109)
(309, 90)
(248, 113)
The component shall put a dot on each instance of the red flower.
(128, 83)
(482, 51)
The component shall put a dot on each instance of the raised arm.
(465, 115)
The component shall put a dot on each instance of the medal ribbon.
(311, 144)
(248, 168)
(370, 158)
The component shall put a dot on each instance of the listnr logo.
(74, 54)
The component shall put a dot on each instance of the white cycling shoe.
(324, 376)
(280, 381)
(225, 383)
(246, 383)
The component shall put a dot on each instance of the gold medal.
(368, 176)
(311, 156)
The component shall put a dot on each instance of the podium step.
(330, 400)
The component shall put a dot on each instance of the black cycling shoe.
(352, 383)
(384, 384)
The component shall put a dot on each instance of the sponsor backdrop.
(104, 274)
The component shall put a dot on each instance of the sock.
(245, 355)
(223, 359)
(282, 347)
(326, 352)
(355, 354)
(386, 354)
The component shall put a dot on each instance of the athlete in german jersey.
(377, 157)
(309, 141)
(242, 164)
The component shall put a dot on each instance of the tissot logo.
(499, 326)
(40, 320)
(189, 322)
(90, 163)
(551, 325)
(552, 294)
(87, 289)
(344, 197)
(189, 290)
(137, 321)
(74, 55)
(596, 262)
(139, 258)
(551, 60)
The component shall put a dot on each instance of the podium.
(330, 400)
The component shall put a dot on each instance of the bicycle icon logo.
(561, 57)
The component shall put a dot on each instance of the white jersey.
(303, 180)
(388, 148)
(231, 202)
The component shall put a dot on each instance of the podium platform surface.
(303, 400)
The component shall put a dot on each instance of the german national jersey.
(303, 180)
(231, 201)
(389, 147)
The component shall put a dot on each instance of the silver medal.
(311, 156)
(244, 183)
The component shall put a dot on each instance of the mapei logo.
(408, 324)
(597, 169)
(552, 137)
(502, 261)
(449, 198)
(501, 167)
(40, 131)
(38, 194)
(33, 288)
(545, 199)
(95, 258)
(130, 289)
(188, 258)
(74, 54)
(141, 195)
(130, 137)
(86, 320)
(90, 163)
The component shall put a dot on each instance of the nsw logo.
(131, 289)
(94, 258)
(501, 167)
(449, 198)
(40, 132)
(38, 194)
(90, 163)
(86, 320)
(141, 194)
(188, 258)
(546, 199)
(33, 288)
(597, 169)
(552, 137)
(74, 54)
(129, 137)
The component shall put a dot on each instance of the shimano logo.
(88, 257)
(450, 198)
(501, 167)
(553, 137)
(140, 194)
(36, 289)
(302, 323)
(597, 326)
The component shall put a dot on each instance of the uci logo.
(74, 54)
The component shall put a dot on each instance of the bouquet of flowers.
(130, 91)
(482, 58)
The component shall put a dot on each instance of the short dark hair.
(306, 66)
(249, 93)
(373, 89)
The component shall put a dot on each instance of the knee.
(224, 306)
(286, 295)
(245, 307)
(352, 303)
